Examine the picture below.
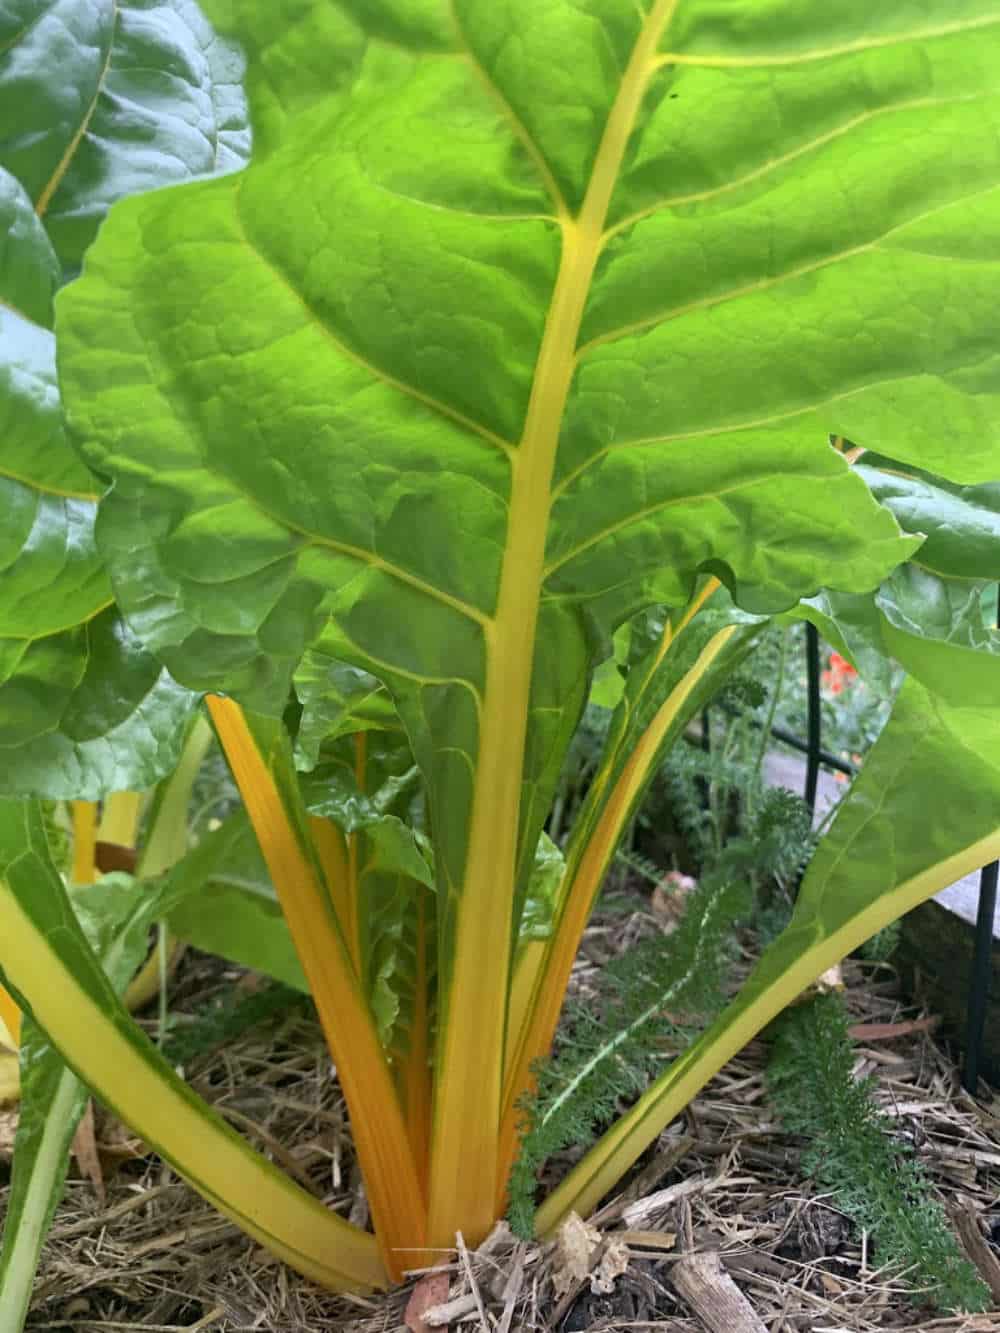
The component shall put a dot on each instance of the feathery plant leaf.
(608, 1052)
(851, 1150)
(525, 318)
(229, 1018)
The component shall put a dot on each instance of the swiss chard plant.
(526, 321)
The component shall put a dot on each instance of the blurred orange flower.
(839, 674)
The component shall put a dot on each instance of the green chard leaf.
(934, 627)
(52, 1101)
(523, 318)
(144, 95)
(116, 923)
(84, 709)
(961, 523)
(389, 867)
(229, 907)
(337, 700)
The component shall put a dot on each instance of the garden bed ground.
(150, 1254)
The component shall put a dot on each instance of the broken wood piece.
(637, 1213)
(648, 1240)
(713, 1295)
(647, 1179)
(470, 1277)
(887, 1031)
(974, 1243)
(439, 1316)
(512, 1290)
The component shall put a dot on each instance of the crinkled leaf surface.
(321, 450)
(530, 315)
(337, 700)
(83, 707)
(87, 712)
(938, 629)
(386, 865)
(97, 100)
(961, 523)
(52, 575)
(101, 99)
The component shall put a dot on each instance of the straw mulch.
(133, 1248)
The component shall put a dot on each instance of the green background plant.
(522, 322)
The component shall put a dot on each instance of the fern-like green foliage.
(223, 1021)
(642, 866)
(609, 1048)
(850, 1150)
(881, 947)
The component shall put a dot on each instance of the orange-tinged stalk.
(416, 1070)
(331, 848)
(10, 1016)
(586, 876)
(391, 1177)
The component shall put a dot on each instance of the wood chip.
(713, 1295)
(577, 1244)
(86, 1154)
(887, 1031)
(613, 1263)
(431, 1290)
(647, 1179)
(649, 1240)
(440, 1316)
(512, 1290)
(966, 1223)
(637, 1213)
(470, 1277)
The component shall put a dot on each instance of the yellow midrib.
(470, 1056)
(55, 180)
(583, 883)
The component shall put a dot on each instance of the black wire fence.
(817, 758)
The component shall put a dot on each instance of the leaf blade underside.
(490, 393)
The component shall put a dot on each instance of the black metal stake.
(813, 753)
(703, 784)
(982, 960)
(979, 988)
